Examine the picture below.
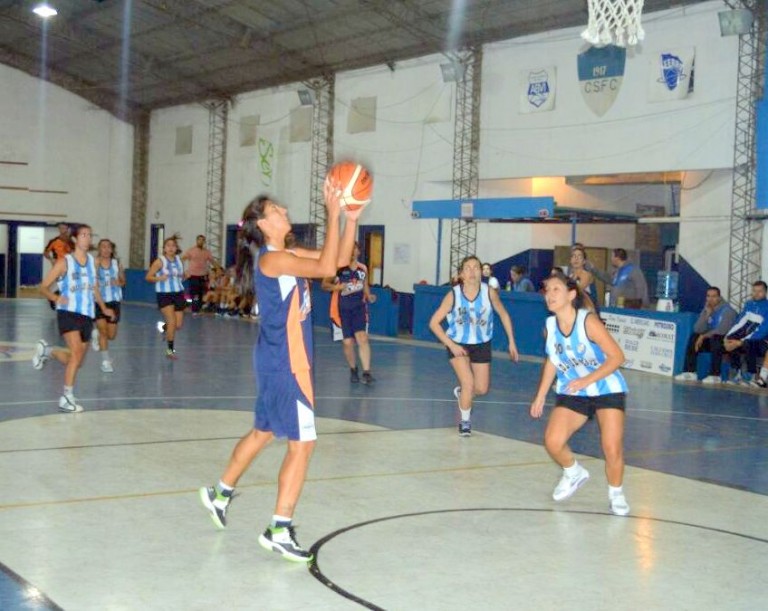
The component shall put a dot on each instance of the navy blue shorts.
(477, 353)
(285, 405)
(587, 406)
(177, 300)
(353, 321)
(115, 306)
(71, 321)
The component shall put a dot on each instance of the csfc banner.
(648, 344)
(671, 75)
(601, 73)
(537, 90)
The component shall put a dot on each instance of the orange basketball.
(355, 181)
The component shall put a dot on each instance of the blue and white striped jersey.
(77, 285)
(174, 269)
(575, 356)
(470, 322)
(108, 278)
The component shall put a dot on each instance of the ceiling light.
(45, 10)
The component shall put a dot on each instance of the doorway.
(371, 240)
(156, 239)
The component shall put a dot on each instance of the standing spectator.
(748, 335)
(580, 274)
(57, 248)
(488, 277)
(708, 333)
(627, 282)
(519, 282)
(198, 260)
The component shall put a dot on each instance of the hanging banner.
(266, 150)
(601, 73)
(671, 75)
(537, 90)
(648, 344)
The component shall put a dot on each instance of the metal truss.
(324, 89)
(466, 150)
(218, 113)
(745, 227)
(139, 192)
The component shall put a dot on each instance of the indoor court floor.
(100, 509)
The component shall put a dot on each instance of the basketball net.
(614, 22)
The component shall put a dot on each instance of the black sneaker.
(216, 506)
(368, 378)
(282, 540)
(354, 378)
(759, 383)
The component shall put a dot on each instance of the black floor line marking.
(314, 567)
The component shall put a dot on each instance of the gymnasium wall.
(400, 123)
(78, 158)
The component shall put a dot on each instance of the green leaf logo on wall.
(601, 72)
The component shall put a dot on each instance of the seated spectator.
(212, 296)
(519, 282)
(747, 337)
(488, 278)
(628, 285)
(713, 323)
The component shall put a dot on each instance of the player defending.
(468, 308)
(584, 358)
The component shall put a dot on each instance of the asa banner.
(648, 344)
(671, 74)
(537, 90)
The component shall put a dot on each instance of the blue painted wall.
(692, 288)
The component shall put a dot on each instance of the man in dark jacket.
(715, 320)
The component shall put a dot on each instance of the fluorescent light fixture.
(306, 97)
(45, 10)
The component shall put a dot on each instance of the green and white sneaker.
(282, 540)
(216, 504)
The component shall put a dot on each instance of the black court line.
(314, 567)
(35, 598)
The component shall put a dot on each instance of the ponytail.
(250, 239)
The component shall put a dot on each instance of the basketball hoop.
(614, 22)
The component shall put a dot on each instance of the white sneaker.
(39, 359)
(711, 380)
(457, 393)
(619, 505)
(686, 376)
(568, 485)
(160, 326)
(68, 403)
(106, 367)
(95, 340)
